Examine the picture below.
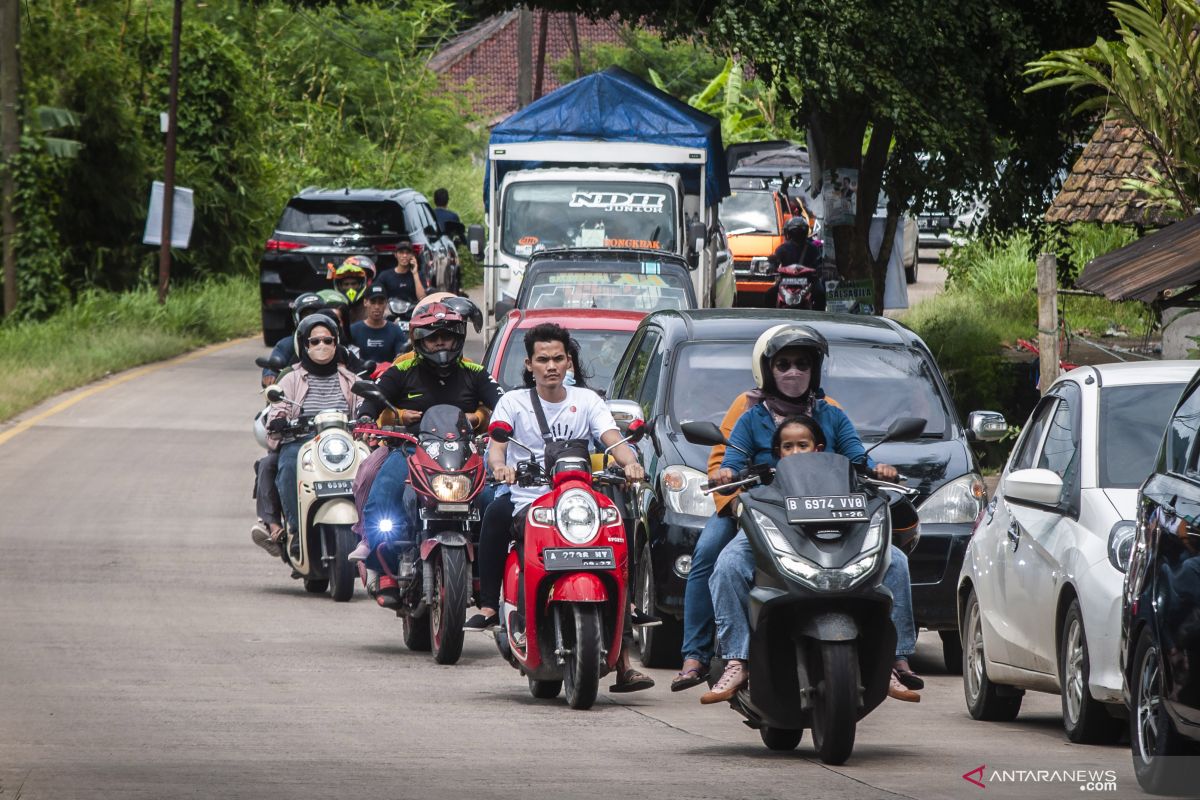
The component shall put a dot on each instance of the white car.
(1040, 587)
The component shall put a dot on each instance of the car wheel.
(952, 652)
(1085, 720)
(910, 273)
(985, 700)
(661, 643)
(1155, 743)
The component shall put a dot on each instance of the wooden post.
(524, 57)
(168, 206)
(10, 139)
(539, 69)
(1047, 290)
(573, 31)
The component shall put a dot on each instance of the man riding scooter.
(436, 374)
(797, 248)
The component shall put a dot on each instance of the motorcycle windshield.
(814, 474)
(446, 437)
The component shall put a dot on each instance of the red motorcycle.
(564, 600)
(794, 286)
(446, 471)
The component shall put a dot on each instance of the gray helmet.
(304, 305)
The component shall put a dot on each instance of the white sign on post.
(182, 216)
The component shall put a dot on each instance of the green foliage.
(105, 332)
(39, 261)
(684, 67)
(1149, 77)
(993, 266)
(1086, 241)
(743, 113)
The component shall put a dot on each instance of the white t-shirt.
(583, 415)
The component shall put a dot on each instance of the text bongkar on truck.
(607, 161)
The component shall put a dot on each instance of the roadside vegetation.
(106, 332)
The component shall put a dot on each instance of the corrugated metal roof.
(1167, 259)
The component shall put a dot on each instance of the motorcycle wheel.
(780, 739)
(583, 636)
(416, 633)
(316, 585)
(835, 712)
(341, 571)
(449, 606)
(545, 690)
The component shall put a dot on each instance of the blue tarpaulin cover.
(616, 106)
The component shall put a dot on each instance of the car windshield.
(600, 352)
(753, 210)
(1132, 421)
(539, 216)
(626, 291)
(340, 217)
(874, 385)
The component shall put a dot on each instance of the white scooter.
(325, 468)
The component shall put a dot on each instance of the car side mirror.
(706, 433)
(986, 426)
(697, 236)
(1040, 486)
(475, 239)
(625, 412)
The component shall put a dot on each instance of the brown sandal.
(631, 681)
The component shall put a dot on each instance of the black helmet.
(781, 337)
(305, 326)
(304, 305)
(796, 230)
(467, 310)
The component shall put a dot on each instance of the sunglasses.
(785, 364)
(316, 340)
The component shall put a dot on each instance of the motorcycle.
(318, 550)
(564, 599)
(794, 284)
(822, 641)
(446, 471)
(400, 312)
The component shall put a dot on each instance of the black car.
(1160, 623)
(624, 280)
(319, 228)
(682, 366)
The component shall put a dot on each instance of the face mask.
(569, 378)
(793, 383)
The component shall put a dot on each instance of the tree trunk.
(539, 74)
(524, 57)
(576, 58)
(10, 139)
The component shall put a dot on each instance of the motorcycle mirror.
(902, 429)
(636, 430)
(703, 433)
(274, 393)
(365, 389)
(271, 362)
(500, 432)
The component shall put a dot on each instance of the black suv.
(1160, 623)
(319, 228)
(691, 365)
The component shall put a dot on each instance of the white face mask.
(569, 378)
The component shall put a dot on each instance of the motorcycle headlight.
(829, 579)
(336, 453)
(960, 500)
(578, 516)
(1120, 544)
(775, 537)
(874, 538)
(684, 495)
(306, 460)
(451, 488)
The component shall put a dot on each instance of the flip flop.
(688, 678)
(632, 681)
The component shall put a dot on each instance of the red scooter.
(794, 285)
(564, 600)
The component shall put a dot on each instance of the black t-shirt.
(378, 344)
(788, 253)
(398, 284)
(412, 384)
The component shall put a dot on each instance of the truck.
(607, 161)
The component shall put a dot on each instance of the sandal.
(689, 677)
(631, 681)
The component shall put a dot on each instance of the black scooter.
(822, 641)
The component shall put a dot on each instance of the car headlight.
(684, 495)
(1120, 544)
(336, 453)
(578, 516)
(775, 537)
(451, 488)
(960, 500)
(760, 265)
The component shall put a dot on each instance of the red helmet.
(437, 318)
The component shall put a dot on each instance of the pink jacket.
(295, 386)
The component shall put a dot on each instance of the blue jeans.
(698, 625)
(734, 575)
(285, 481)
(386, 503)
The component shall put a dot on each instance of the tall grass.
(106, 332)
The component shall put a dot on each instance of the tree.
(1149, 78)
(878, 84)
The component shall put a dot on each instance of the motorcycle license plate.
(333, 488)
(558, 559)
(827, 508)
(794, 282)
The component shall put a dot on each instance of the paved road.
(149, 650)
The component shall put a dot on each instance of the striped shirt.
(324, 393)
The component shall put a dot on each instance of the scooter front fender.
(446, 540)
(339, 511)
(578, 587)
(830, 626)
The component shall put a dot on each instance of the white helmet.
(260, 427)
(779, 338)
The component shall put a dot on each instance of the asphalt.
(149, 650)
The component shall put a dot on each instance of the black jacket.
(411, 383)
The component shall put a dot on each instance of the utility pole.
(540, 68)
(1047, 291)
(573, 32)
(10, 139)
(524, 57)
(168, 208)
